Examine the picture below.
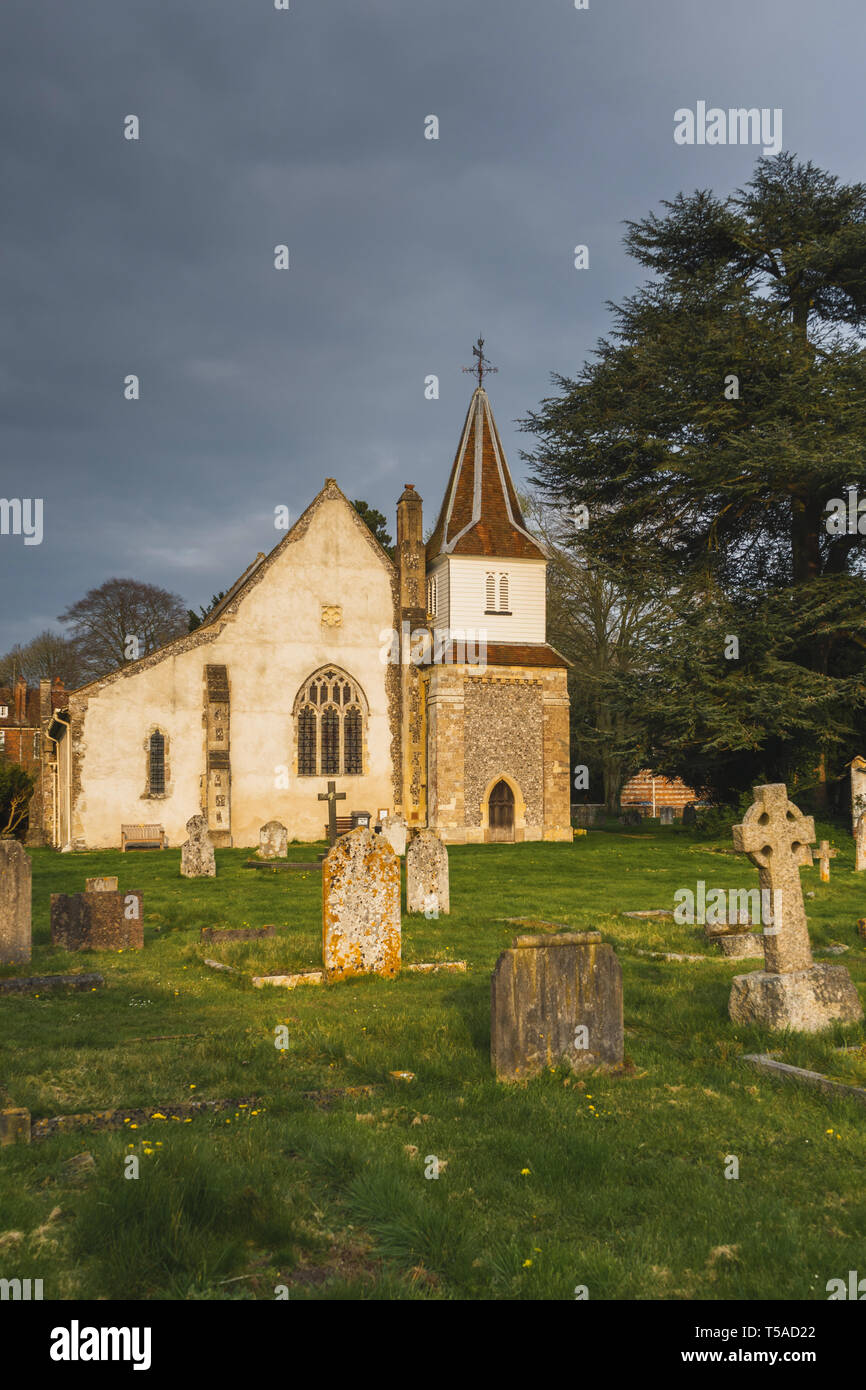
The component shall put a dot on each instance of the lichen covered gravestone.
(791, 991)
(102, 921)
(394, 830)
(427, 888)
(666, 815)
(15, 889)
(360, 907)
(273, 841)
(556, 999)
(100, 885)
(196, 854)
(858, 791)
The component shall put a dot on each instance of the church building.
(422, 686)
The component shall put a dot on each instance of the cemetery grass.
(316, 1182)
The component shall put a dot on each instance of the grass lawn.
(615, 1184)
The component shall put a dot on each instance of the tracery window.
(330, 711)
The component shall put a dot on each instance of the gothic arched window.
(157, 771)
(330, 712)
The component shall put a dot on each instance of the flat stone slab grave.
(317, 977)
(284, 866)
(556, 999)
(237, 933)
(41, 984)
(761, 1062)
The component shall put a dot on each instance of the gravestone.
(332, 796)
(360, 907)
(103, 921)
(427, 888)
(556, 999)
(858, 791)
(630, 817)
(15, 888)
(394, 830)
(100, 885)
(196, 854)
(666, 815)
(791, 991)
(273, 841)
(690, 815)
(824, 855)
(860, 843)
(804, 857)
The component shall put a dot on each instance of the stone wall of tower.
(413, 620)
(557, 757)
(502, 722)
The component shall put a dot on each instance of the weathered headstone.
(394, 830)
(858, 791)
(427, 888)
(196, 854)
(666, 815)
(15, 889)
(100, 885)
(791, 991)
(690, 814)
(824, 855)
(360, 907)
(556, 999)
(273, 841)
(803, 854)
(860, 843)
(97, 921)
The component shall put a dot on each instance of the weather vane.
(482, 367)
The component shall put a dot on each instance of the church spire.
(480, 513)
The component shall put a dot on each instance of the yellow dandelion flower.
(187, 1121)
(526, 1264)
(133, 1126)
(192, 1085)
(157, 1115)
(525, 1172)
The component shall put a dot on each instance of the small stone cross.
(824, 855)
(332, 796)
(771, 834)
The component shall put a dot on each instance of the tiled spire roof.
(480, 514)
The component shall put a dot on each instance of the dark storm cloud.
(261, 127)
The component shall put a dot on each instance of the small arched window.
(431, 597)
(491, 593)
(156, 767)
(503, 593)
(330, 710)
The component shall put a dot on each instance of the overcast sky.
(306, 127)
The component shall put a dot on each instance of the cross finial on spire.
(482, 366)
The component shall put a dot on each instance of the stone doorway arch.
(503, 811)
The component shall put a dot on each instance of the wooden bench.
(344, 824)
(142, 837)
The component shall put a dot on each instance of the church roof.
(480, 514)
(509, 654)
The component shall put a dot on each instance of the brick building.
(22, 713)
(650, 792)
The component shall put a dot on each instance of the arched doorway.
(501, 812)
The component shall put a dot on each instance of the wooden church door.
(501, 812)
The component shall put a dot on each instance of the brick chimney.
(21, 701)
(44, 701)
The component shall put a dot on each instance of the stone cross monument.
(791, 991)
